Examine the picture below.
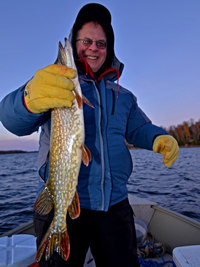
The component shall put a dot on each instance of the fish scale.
(66, 153)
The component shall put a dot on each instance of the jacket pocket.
(113, 102)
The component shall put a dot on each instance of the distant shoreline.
(23, 151)
(16, 151)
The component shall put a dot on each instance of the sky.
(157, 40)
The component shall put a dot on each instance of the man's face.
(94, 56)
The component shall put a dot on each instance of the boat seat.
(17, 250)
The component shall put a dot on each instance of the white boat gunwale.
(168, 227)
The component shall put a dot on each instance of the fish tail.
(45, 241)
(54, 241)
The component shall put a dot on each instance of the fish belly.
(67, 136)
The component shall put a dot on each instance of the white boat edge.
(168, 227)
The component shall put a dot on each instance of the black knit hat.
(98, 13)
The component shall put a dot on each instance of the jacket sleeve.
(140, 131)
(15, 117)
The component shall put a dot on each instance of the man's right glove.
(51, 87)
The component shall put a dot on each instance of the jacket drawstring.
(111, 70)
(87, 69)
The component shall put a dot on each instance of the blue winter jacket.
(103, 182)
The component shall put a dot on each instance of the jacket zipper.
(102, 149)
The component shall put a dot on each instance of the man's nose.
(93, 46)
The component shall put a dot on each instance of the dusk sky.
(157, 40)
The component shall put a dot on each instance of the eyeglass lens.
(88, 42)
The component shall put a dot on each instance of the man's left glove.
(167, 146)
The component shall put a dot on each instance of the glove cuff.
(27, 107)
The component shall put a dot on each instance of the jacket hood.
(100, 14)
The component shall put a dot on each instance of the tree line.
(187, 133)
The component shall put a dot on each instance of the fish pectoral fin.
(81, 100)
(74, 207)
(78, 98)
(86, 101)
(44, 202)
(86, 155)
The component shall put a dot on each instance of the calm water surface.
(18, 185)
(177, 188)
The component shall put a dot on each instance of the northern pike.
(67, 150)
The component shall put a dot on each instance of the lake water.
(177, 188)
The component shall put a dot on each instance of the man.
(106, 223)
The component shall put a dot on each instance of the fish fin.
(78, 98)
(88, 152)
(129, 146)
(86, 101)
(74, 207)
(44, 202)
(86, 155)
(58, 242)
(54, 241)
(81, 100)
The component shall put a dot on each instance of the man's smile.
(92, 57)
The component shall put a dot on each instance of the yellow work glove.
(167, 146)
(51, 87)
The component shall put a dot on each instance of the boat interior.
(167, 229)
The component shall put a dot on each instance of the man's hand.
(51, 87)
(167, 146)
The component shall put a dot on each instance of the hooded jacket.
(103, 182)
(115, 117)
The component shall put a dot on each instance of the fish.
(67, 151)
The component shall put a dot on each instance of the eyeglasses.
(88, 42)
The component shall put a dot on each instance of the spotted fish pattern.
(67, 150)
